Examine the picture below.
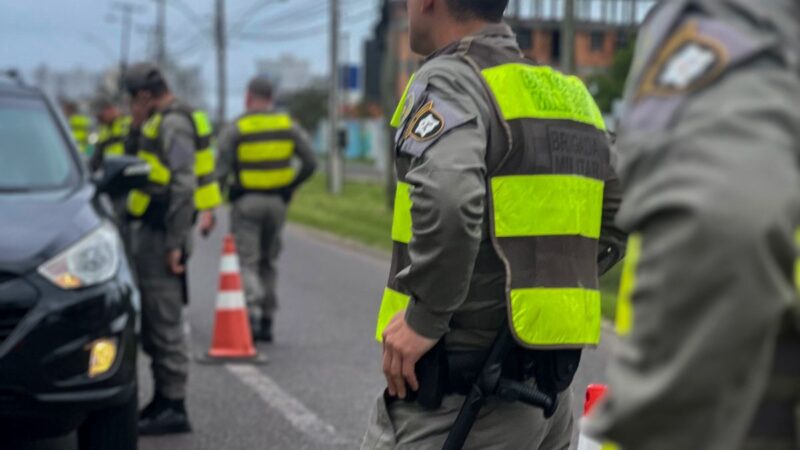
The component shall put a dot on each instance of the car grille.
(10, 314)
(10, 317)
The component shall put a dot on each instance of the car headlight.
(92, 260)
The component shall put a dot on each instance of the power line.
(278, 36)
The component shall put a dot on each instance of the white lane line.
(300, 417)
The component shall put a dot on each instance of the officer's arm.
(226, 155)
(612, 239)
(304, 152)
(711, 200)
(448, 193)
(179, 145)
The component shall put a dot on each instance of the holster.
(442, 373)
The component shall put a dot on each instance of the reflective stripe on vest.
(546, 206)
(139, 200)
(264, 152)
(208, 194)
(80, 126)
(624, 319)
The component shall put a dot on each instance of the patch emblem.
(427, 124)
(687, 62)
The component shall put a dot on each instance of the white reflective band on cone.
(233, 300)
(229, 264)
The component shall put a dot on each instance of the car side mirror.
(120, 175)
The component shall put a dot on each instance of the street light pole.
(334, 161)
(221, 44)
(161, 32)
(568, 37)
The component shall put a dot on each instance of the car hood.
(37, 226)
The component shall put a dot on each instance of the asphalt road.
(323, 374)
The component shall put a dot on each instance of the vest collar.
(493, 31)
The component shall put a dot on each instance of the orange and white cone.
(594, 393)
(233, 339)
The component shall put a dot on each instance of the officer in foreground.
(81, 125)
(709, 160)
(259, 155)
(164, 212)
(505, 207)
(113, 130)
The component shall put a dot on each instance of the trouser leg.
(163, 324)
(246, 228)
(271, 242)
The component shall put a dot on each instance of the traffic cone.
(594, 393)
(233, 339)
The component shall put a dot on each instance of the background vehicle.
(68, 304)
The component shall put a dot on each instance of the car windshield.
(34, 154)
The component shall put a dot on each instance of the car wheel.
(111, 429)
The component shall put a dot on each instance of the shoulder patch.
(426, 124)
(430, 122)
(687, 62)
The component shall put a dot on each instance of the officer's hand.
(208, 221)
(402, 348)
(175, 262)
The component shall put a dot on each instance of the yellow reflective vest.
(207, 194)
(111, 137)
(546, 203)
(264, 150)
(81, 127)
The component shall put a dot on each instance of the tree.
(308, 106)
(610, 86)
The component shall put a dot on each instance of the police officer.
(264, 156)
(164, 210)
(709, 160)
(80, 125)
(113, 130)
(504, 208)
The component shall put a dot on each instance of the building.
(602, 27)
(288, 73)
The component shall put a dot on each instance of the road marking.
(301, 418)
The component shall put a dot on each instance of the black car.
(69, 308)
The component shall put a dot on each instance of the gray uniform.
(709, 161)
(257, 220)
(163, 293)
(456, 276)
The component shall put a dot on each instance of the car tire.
(111, 429)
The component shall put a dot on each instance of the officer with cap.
(164, 211)
(113, 130)
(264, 157)
(709, 309)
(504, 210)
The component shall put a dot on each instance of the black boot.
(265, 334)
(165, 417)
(156, 404)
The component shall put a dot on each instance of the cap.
(144, 76)
(261, 86)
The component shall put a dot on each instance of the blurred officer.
(709, 161)
(259, 156)
(113, 130)
(80, 124)
(504, 208)
(164, 209)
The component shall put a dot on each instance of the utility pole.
(568, 37)
(334, 157)
(220, 31)
(517, 8)
(126, 10)
(161, 32)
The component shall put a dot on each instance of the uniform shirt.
(226, 160)
(455, 275)
(177, 138)
(709, 162)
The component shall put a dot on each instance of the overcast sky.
(83, 33)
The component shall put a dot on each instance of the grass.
(361, 214)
